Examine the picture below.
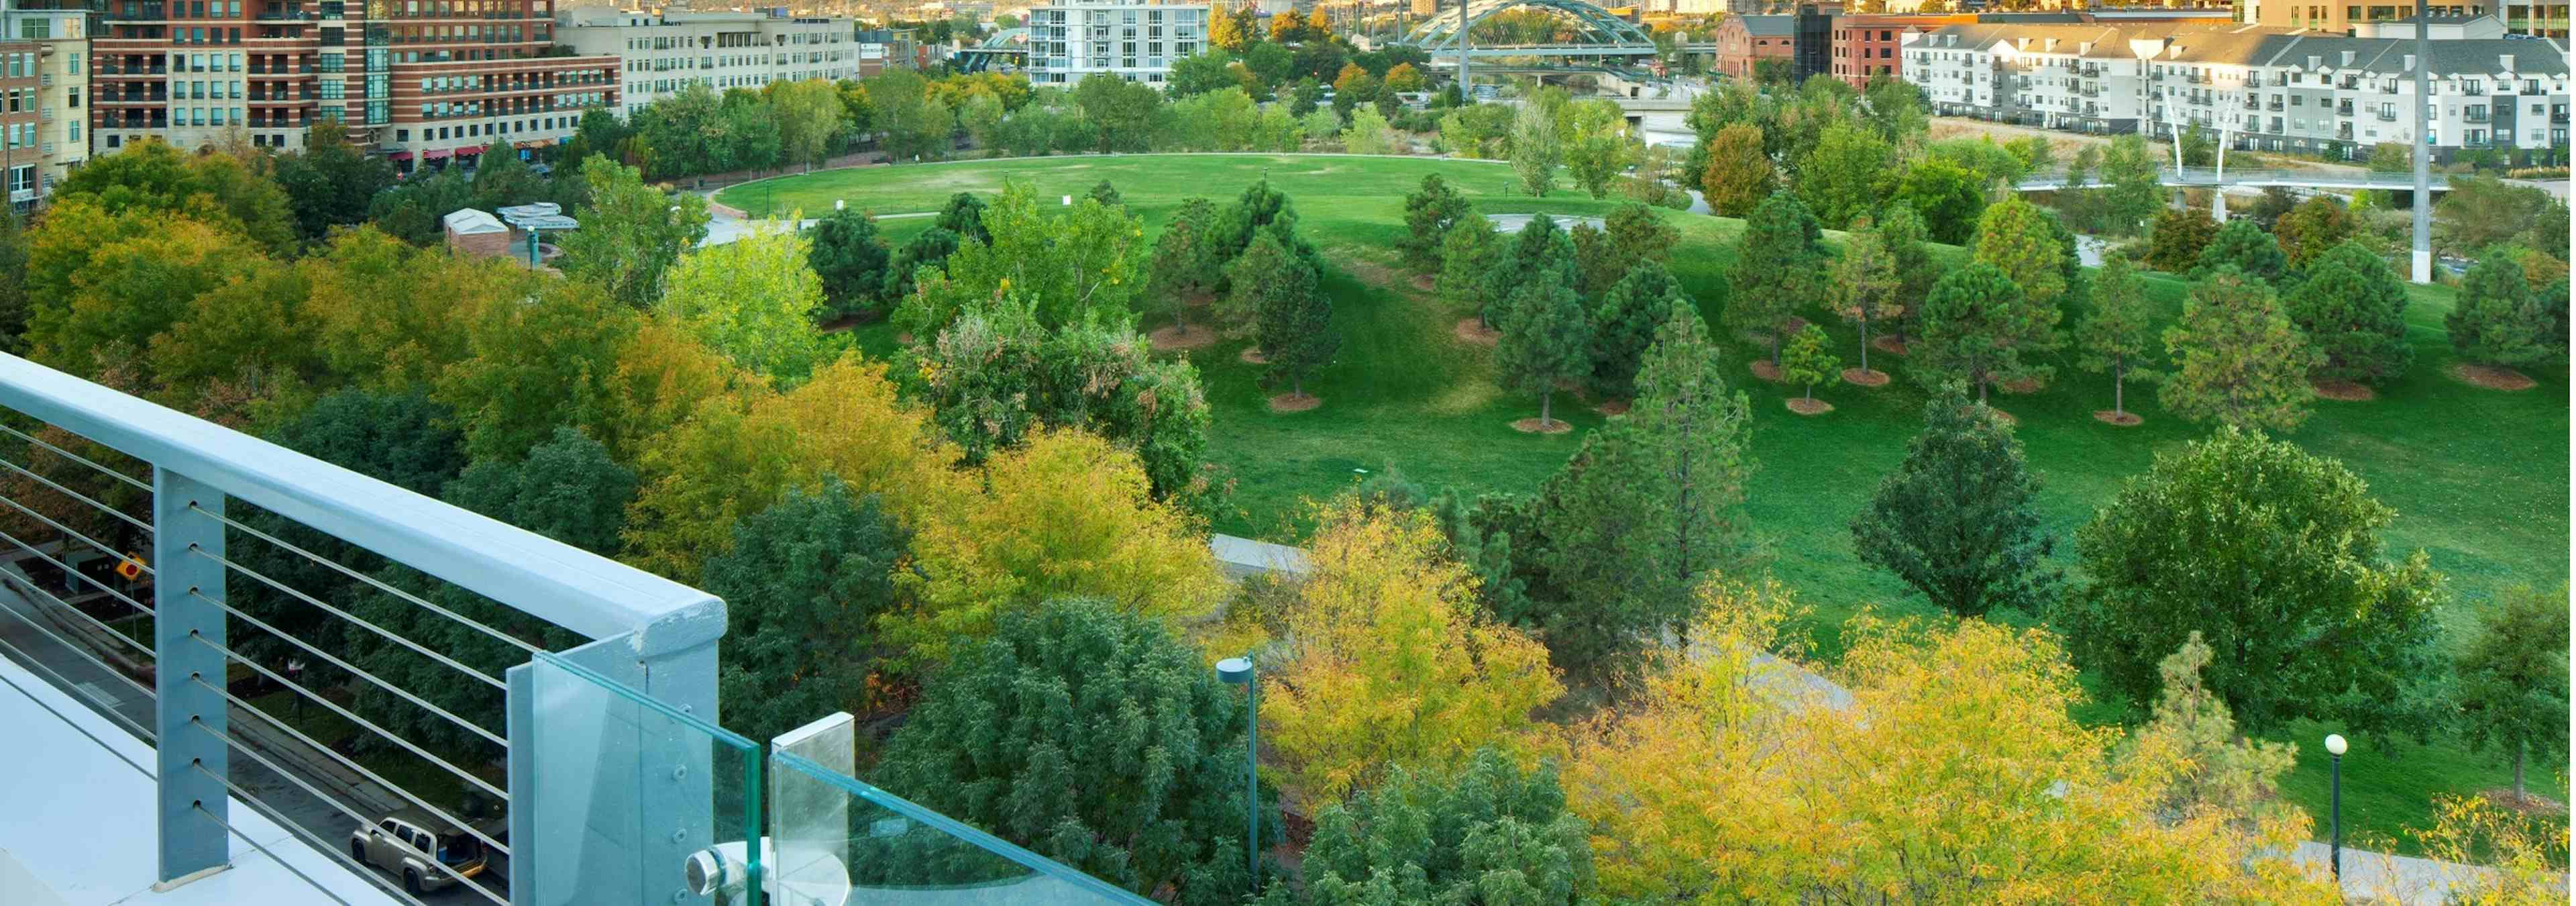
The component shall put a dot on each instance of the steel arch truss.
(1597, 32)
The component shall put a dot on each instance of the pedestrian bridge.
(2207, 177)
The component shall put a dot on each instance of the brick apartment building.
(1871, 45)
(1743, 40)
(418, 80)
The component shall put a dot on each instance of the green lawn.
(2479, 478)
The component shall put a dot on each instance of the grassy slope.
(2479, 478)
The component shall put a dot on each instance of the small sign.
(130, 568)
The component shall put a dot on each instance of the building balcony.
(149, 629)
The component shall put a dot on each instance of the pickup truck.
(409, 841)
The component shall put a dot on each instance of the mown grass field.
(2479, 477)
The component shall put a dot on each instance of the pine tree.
(1958, 519)
(1865, 285)
(1547, 336)
(1294, 325)
(1183, 264)
(1640, 234)
(1776, 268)
(1974, 326)
(1540, 246)
(1909, 249)
(2352, 307)
(2496, 321)
(1428, 215)
(2180, 236)
(1631, 313)
(2113, 335)
(1469, 253)
(2243, 245)
(2237, 358)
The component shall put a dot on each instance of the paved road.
(24, 625)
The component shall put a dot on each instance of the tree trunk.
(1864, 345)
(1981, 391)
(1546, 398)
(2119, 390)
(2517, 774)
(1296, 384)
(1775, 347)
(1811, 394)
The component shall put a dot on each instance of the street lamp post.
(2334, 749)
(1239, 671)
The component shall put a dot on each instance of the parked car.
(407, 842)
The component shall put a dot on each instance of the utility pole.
(2423, 145)
(1466, 85)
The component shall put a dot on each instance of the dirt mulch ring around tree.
(1181, 337)
(2006, 417)
(1473, 333)
(1534, 426)
(2491, 377)
(1295, 402)
(904, 338)
(1888, 344)
(2527, 803)
(1425, 282)
(1612, 407)
(1865, 377)
(1805, 406)
(2122, 419)
(2023, 387)
(2345, 391)
(1762, 368)
(1251, 355)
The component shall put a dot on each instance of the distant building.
(664, 53)
(2271, 89)
(1071, 39)
(1743, 40)
(44, 83)
(880, 49)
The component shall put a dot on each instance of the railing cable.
(67, 569)
(504, 637)
(138, 483)
(352, 717)
(309, 838)
(344, 761)
(327, 799)
(381, 683)
(389, 635)
(255, 844)
(76, 495)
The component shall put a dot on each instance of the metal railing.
(417, 635)
(246, 541)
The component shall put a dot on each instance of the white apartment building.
(2262, 88)
(1071, 39)
(666, 52)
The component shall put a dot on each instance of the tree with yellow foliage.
(1953, 774)
(738, 454)
(1390, 664)
(1066, 514)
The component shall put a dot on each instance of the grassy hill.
(2479, 477)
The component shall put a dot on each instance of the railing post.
(184, 518)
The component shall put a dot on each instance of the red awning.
(469, 151)
(436, 154)
(399, 155)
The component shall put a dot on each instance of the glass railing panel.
(634, 801)
(840, 841)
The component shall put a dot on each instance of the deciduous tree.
(1946, 196)
(1865, 285)
(1808, 362)
(2513, 679)
(1066, 514)
(1845, 176)
(631, 234)
(752, 300)
(2181, 234)
(1739, 174)
(1391, 665)
(1537, 150)
(2274, 556)
(2309, 230)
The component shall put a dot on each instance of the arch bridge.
(1008, 47)
(1586, 31)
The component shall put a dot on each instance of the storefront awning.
(399, 155)
(436, 154)
(469, 151)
